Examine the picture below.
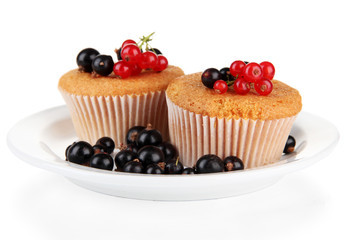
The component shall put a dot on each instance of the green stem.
(145, 40)
(177, 160)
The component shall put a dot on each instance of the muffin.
(251, 127)
(108, 106)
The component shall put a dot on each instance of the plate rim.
(76, 171)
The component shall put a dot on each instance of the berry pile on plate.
(144, 152)
(242, 75)
(131, 59)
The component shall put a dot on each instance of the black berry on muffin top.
(85, 58)
(103, 65)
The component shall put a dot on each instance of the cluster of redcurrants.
(131, 60)
(145, 152)
(241, 75)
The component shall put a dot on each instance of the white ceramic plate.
(41, 140)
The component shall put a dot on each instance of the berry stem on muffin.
(145, 40)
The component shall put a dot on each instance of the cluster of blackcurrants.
(131, 60)
(242, 75)
(145, 152)
(97, 156)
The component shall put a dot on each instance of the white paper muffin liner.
(98, 116)
(255, 142)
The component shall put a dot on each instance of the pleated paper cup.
(255, 142)
(98, 116)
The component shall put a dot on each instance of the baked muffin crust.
(82, 83)
(189, 93)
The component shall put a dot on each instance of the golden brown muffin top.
(82, 83)
(189, 93)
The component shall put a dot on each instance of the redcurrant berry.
(263, 87)
(241, 86)
(252, 72)
(131, 53)
(220, 86)
(149, 60)
(135, 69)
(122, 69)
(161, 64)
(268, 70)
(236, 68)
(127, 42)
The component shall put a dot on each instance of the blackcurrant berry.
(188, 171)
(155, 50)
(107, 143)
(170, 152)
(102, 161)
(132, 147)
(124, 156)
(226, 76)
(153, 169)
(210, 76)
(132, 134)
(118, 54)
(85, 58)
(174, 167)
(290, 144)
(99, 149)
(133, 167)
(149, 136)
(150, 154)
(103, 65)
(233, 163)
(66, 150)
(80, 152)
(209, 163)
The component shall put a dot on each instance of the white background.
(306, 40)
